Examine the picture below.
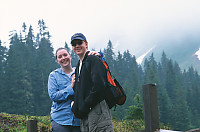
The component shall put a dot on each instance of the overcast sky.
(129, 24)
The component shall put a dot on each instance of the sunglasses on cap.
(79, 42)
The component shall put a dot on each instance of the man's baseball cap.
(79, 36)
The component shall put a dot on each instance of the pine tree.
(110, 55)
(2, 76)
(150, 69)
(170, 84)
(191, 81)
(15, 72)
(74, 56)
(2, 59)
(180, 119)
(45, 64)
(164, 102)
(31, 67)
(24, 30)
(127, 72)
(135, 112)
(67, 47)
(119, 68)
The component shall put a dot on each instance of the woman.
(61, 93)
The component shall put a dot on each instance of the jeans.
(99, 119)
(55, 127)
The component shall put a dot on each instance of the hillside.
(182, 51)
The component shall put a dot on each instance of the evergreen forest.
(26, 64)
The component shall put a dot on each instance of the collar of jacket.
(86, 55)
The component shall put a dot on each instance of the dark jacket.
(89, 85)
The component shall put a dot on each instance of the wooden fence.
(32, 126)
(150, 108)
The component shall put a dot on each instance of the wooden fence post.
(32, 126)
(150, 108)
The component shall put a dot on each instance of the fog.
(129, 24)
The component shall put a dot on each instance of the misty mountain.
(180, 50)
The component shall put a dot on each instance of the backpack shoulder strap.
(105, 64)
(109, 76)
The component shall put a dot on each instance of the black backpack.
(115, 94)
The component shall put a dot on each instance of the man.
(90, 83)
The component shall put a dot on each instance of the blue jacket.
(61, 93)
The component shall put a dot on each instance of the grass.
(17, 123)
(128, 125)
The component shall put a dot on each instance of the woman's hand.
(94, 53)
(72, 103)
(73, 80)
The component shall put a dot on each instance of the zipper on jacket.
(78, 78)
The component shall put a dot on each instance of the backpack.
(115, 94)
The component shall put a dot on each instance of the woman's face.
(63, 58)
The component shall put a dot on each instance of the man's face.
(79, 47)
(63, 58)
